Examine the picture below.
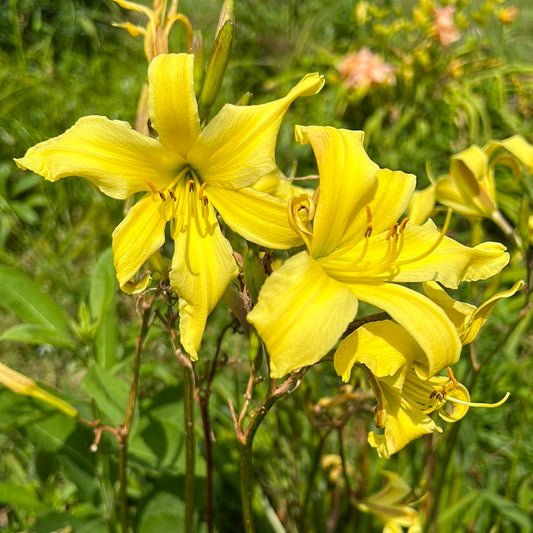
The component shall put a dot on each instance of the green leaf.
(37, 334)
(510, 510)
(20, 496)
(103, 286)
(161, 514)
(54, 521)
(102, 302)
(108, 391)
(25, 298)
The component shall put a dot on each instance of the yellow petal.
(458, 312)
(469, 170)
(202, 267)
(425, 321)
(422, 204)
(518, 146)
(109, 153)
(172, 103)
(237, 146)
(478, 318)
(449, 263)
(255, 215)
(384, 347)
(402, 425)
(449, 195)
(138, 236)
(347, 181)
(301, 313)
(276, 184)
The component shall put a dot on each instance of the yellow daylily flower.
(159, 25)
(185, 175)
(356, 250)
(406, 396)
(390, 505)
(21, 384)
(467, 318)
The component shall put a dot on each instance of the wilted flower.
(444, 26)
(364, 69)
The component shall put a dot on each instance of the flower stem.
(190, 441)
(124, 430)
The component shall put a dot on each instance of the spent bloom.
(444, 27)
(184, 175)
(356, 250)
(362, 70)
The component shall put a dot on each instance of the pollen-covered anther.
(191, 186)
(162, 195)
(201, 191)
(368, 231)
(205, 201)
(402, 225)
(171, 194)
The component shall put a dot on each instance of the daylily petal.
(424, 320)
(422, 204)
(276, 184)
(138, 236)
(448, 263)
(237, 146)
(449, 195)
(384, 347)
(301, 313)
(467, 318)
(391, 199)
(202, 267)
(517, 145)
(255, 215)
(347, 181)
(109, 153)
(172, 103)
(402, 425)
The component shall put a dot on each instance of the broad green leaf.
(162, 513)
(103, 286)
(25, 298)
(55, 521)
(20, 496)
(102, 301)
(37, 334)
(108, 391)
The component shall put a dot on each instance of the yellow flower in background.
(185, 175)
(356, 250)
(21, 384)
(469, 187)
(157, 30)
(404, 382)
(391, 505)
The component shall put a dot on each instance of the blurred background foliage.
(63, 60)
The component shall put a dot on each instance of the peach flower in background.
(444, 26)
(361, 70)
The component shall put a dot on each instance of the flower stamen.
(151, 185)
(192, 186)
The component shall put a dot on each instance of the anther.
(403, 223)
(368, 231)
(162, 195)
(392, 231)
(201, 191)
(191, 186)
(205, 201)
(151, 185)
(171, 194)
(368, 214)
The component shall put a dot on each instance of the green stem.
(246, 440)
(124, 430)
(190, 441)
